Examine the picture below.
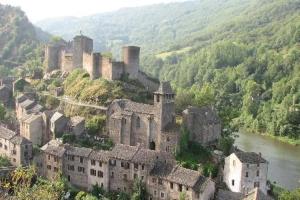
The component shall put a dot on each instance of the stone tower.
(81, 45)
(131, 58)
(52, 57)
(165, 105)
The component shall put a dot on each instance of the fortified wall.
(67, 56)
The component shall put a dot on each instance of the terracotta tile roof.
(164, 88)
(78, 151)
(249, 157)
(6, 133)
(19, 140)
(162, 169)
(145, 156)
(100, 155)
(123, 152)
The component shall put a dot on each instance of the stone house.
(76, 125)
(98, 169)
(75, 161)
(32, 128)
(203, 124)
(58, 123)
(5, 94)
(168, 181)
(255, 194)
(117, 169)
(243, 171)
(17, 148)
(50, 163)
(151, 126)
(26, 106)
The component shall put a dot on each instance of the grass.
(164, 55)
(285, 139)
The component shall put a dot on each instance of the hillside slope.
(18, 37)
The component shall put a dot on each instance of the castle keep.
(67, 56)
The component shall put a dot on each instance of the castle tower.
(81, 45)
(165, 104)
(131, 58)
(52, 57)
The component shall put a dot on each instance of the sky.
(38, 10)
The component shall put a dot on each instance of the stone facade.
(203, 124)
(117, 169)
(27, 106)
(32, 128)
(58, 124)
(243, 171)
(67, 56)
(152, 126)
(17, 148)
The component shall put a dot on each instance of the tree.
(290, 195)
(2, 112)
(139, 190)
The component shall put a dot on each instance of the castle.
(67, 56)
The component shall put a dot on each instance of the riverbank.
(283, 139)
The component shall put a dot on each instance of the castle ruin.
(67, 56)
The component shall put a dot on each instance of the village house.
(116, 170)
(32, 128)
(58, 124)
(17, 148)
(26, 106)
(255, 194)
(244, 171)
(76, 125)
(203, 124)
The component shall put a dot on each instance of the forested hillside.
(241, 55)
(18, 37)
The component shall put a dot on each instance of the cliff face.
(18, 37)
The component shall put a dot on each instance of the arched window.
(138, 122)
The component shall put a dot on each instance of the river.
(284, 159)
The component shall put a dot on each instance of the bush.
(95, 125)
(4, 162)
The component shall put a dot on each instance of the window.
(81, 159)
(162, 195)
(187, 188)
(138, 122)
(154, 192)
(257, 173)
(256, 184)
(157, 98)
(81, 169)
(112, 162)
(55, 169)
(71, 167)
(160, 181)
(180, 188)
(55, 159)
(125, 165)
(48, 157)
(168, 139)
(14, 152)
(100, 174)
(5, 147)
(247, 174)
(71, 157)
(125, 176)
(14, 160)
(153, 180)
(93, 162)
(136, 166)
(233, 163)
(232, 182)
(100, 164)
(49, 167)
(93, 172)
(142, 177)
(143, 167)
(112, 175)
(171, 186)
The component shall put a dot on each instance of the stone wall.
(66, 61)
(106, 68)
(52, 54)
(117, 70)
(149, 83)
